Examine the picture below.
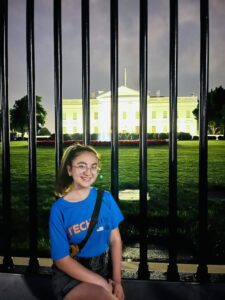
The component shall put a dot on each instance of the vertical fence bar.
(33, 228)
(172, 271)
(202, 271)
(85, 70)
(58, 82)
(6, 178)
(114, 97)
(143, 272)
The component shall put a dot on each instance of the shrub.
(103, 143)
(52, 136)
(220, 137)
(44, 131)
(150, 136)
(155, 136)
(184, 136)
(124, 136)
(195, 138)
(13, 136)
(94, 136)
(163, 136)
(134, 136)
(211, 137)
(67, 137)
(77, 136)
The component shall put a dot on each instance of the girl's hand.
(118, 290)
(108, 285)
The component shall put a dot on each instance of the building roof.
(123, 91)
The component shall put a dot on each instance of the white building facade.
(129, 114)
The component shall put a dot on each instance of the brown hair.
(64, 181)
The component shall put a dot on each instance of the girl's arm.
(74, 269)
(116, 251)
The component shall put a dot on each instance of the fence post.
(172, 271)
(143, 272)
(202, 271)
(33, 228)
(58, 81)
(85, 70)
(6, 178)
(114, 97)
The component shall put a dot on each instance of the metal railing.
(143, 272)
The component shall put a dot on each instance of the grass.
(188, 156)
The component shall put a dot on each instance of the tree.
(215, 111)
(19, 118)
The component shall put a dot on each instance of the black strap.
(94, 218)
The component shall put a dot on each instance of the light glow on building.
(128, 114)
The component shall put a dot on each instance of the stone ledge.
(33, 287)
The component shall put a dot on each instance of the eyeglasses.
(84, 168)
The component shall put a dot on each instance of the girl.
(87, 276)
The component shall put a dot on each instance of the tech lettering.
(77, 228)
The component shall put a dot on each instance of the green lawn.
(128, 178)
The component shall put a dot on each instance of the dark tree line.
(215, 111)
(19, 115)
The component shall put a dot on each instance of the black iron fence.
(143, 273)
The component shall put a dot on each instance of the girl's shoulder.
(106, 194)
(58, 204)
(108, 199)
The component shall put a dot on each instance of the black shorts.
(63, 283)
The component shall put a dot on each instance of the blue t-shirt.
(69, 222)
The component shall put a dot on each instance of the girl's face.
(84, 169)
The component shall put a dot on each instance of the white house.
(128, 114)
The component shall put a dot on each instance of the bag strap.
(94, 218)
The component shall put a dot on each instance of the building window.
(95, 115)
(74, 116)
(188, 114)
(95, 129)
(124, 115)
(64, 130)
(74, 129)
(153, 129)
(137, 115)
(64, 116)
(137, 129)
(153, 115)
(165, 129)
(165, 115)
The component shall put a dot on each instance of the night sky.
(158, 47)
